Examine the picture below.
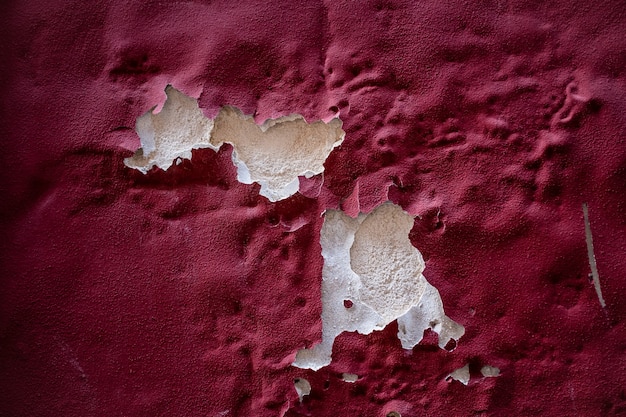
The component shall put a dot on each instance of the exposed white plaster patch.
(352, 378)
(171, 134)
(388, 266)
(592, 257)
(303, 387)
(490, 371)
(273, 154)
(462, 375)
(372, 275)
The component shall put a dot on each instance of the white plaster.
(273, 154)
(351, 378)
(171, 134)
(303, 387)
(462, 375)
(371, 262)
(490, 371)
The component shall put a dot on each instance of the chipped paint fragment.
(302, 386)
(169, 136)
(277, 152)
(371, 262)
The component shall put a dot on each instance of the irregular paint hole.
(393, 414)
(273, 154)
(277, 152)
(462, 375)
(352, 378)
(170, 134)
(348, 303)
(490, 371)
(451, 345)
(273, 220)
(302, 386)
(595, 277)
(371, 262)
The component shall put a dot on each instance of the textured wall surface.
(186, 293)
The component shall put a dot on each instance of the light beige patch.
(170, 134)
(490, 371)
(351, 378)
(388, 265)
(303, 387)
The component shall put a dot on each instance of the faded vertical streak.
(592, 256)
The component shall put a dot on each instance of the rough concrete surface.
(499, 126)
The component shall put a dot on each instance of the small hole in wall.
(334, 109)
(393, 414)
(348, 303)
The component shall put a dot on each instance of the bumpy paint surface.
(184, 292)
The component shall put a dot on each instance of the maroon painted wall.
(184, 293)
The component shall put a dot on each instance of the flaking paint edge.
(273, 154)
(340, 283)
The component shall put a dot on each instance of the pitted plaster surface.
(273, 154)
(170, 134)
(372, 275)
(348, 377)
(462, 375)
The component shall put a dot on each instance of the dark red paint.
(184, 293)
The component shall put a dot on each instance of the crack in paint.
(592, 257)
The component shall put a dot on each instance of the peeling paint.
(372, 275)
(273, 154)
(351, 378)
(592, 256)
(169, 135)
(277, 152)
(490, 371)
(303, 387)
(462, 375)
